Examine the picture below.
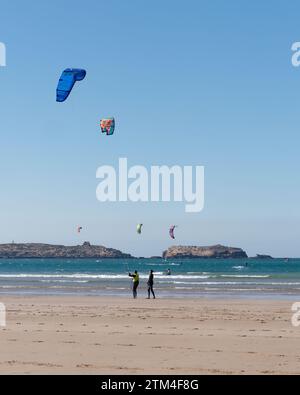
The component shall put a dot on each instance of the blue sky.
(189, 83)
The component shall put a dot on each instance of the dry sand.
(81, 335)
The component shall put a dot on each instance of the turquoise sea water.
(189, 278)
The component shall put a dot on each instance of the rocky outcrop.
(259, 256)
(217, 251)
(35, 250)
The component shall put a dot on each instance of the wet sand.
(94, 335)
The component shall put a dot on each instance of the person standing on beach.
(136, 280)
(150, 284)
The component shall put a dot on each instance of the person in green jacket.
(136, 280)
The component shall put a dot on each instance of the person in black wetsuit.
(150, 284)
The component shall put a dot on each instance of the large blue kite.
(67, 81)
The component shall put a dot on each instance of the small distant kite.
(79, 229)
(67, 81)
(107, 126)
(171, 231)
(139, 228)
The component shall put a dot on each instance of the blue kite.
(67, 81)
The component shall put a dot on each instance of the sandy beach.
(92, 335)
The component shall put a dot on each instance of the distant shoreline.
(88, 251)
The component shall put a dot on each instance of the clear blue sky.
(215, 76)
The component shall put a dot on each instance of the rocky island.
(217, 251)
(36, 250)
(260, 256)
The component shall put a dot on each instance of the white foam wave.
(245, 275)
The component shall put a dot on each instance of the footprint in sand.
(85, 365)
(115, 333)
(51, 365)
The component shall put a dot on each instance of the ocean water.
(189, 278)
